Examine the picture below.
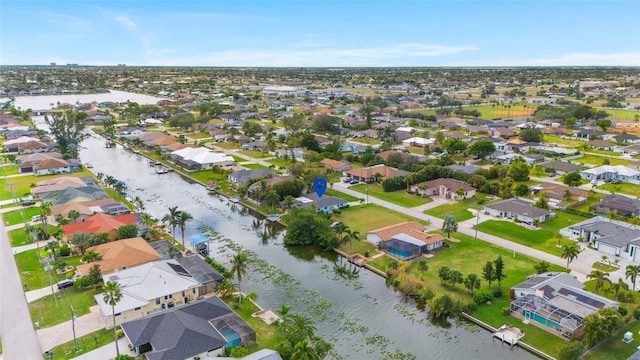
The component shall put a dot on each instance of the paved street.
(19, 340)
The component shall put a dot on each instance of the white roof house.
(418, 141)
(143, 284)
(611, 172)
(200, 158)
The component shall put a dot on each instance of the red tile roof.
(100, 223)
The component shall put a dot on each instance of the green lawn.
(9, 170)
(238, 159)
(458, 209)
(340, 195)
(199, 136)
(15, 217)
(267, 336)
(400, 197)
(624, 188)
(255, 154)
(367, 141)
(598, 160)
(18, 237)
(32, 273)
(255, 166)
(228, 145)
(603, 267)
(517, 268)
(21, 184)
(84, 344)
(280, 162)
(614, 348)
(49, 311)
(570, 143)
(363, 218)
(606, 153)
(544, 239)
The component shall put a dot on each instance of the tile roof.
(451, 184)
(121, 254)
(100, 223)
(369, 172)
(518, 207)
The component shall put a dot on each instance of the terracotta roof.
(163, 141)
(152, 135)
(334, 164)
(63, 210)
(120, 254)
(100, 223)
(33, 145)
(369, 172)
(176, 146)
(561, 189)
(388, 232)
(601, 143)
(451, 184)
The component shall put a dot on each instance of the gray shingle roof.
(518, 207)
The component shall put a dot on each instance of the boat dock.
(510, 335)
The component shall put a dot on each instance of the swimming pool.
(541, 319)
(399, 252)
(232, 337)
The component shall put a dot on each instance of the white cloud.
(126, 21)
(322, 56)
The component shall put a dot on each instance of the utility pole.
(477, 222)
(73, 326)
(48, 267)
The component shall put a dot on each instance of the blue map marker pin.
(320, 185)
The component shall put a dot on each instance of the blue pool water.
(398, 252)
(232, 337)
(541, 319)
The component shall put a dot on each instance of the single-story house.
(244, 176)
(518, 210)
(100, 223)
(51, 185)
(510, 158)
(612, 172)
(556, 302)
(85, 209)
(586, 134)
(445, 188)
(560, 192)
(119, 255)
(560, 167)
(149, 288)
(335, 165)
(201, 329)
(467, 169)
(601, 144)
(324, 204)
(405, 240)
(192, 159)
(56, 166)
(78, 194)
(620, 204)
(418, 141)
(368, 174)
(611, 238)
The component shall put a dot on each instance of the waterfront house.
(246, 176)
(85, 209)
(193, 159)
(100, 223)
(149, 288)
(556, 302)
(405, 241)
(445, 188)
(324, 204)
(78, 194)
(201, 329)
(518, 210)
(120, 255)
(51, 185)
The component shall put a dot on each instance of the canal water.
(362, 317)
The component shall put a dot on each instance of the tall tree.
(283, 311)
(482, 148)
(472, 282)
(183, 218)
(66, 129)
(632, 272)
(239, 269)
(449, 225)
(600, 277)
(498, 269)
(172, 219)
(488, 272)
(45, 212)
(112, 294)
(73, 215)
(570, 252)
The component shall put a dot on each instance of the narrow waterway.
(362, 317)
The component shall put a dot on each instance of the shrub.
(119, 333)
(622, 311)
(572, 351)
(366, 254)
(64, 250)
(506, 311)
(69, 275)
(497, 292)
(636, 314)
(482, 296)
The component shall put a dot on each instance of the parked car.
(633, 153)
(353, 182)
(28, 202)
(65, 284)
(346, 180)
(35, 218)
(335, 224)
(552, 174)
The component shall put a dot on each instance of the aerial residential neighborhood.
(298, 181)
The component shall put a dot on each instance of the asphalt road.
(19, 340)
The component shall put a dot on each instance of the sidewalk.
(34, 295)
(62, 333)
(108, 351)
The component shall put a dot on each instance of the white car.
(633, 153)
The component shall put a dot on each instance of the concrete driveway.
(62, 333)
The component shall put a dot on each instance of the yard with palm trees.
(400, 197)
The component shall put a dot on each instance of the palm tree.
(620, 285)
(271, 198)
(172, 252)
(302, 325)
(612, 215)
(570, 252)
(239, 269)
(172, 219)
(52, 245)
(73, 215)
(302, 351)
(91, 256)
(225, 288)
(350, 235)
(472, 282)
(82, 240)
(600, 277)
(45, 212)
(284, 311)
(634, 221)
(288, 201)
(632, 272)
(112, 295)
(183, 218)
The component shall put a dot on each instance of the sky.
(321, 33)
